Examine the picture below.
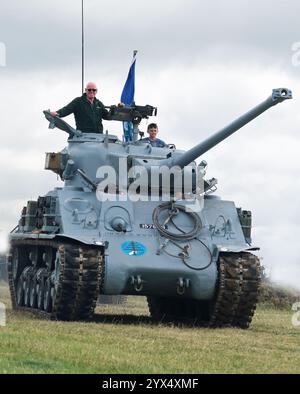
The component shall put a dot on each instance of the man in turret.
(152, 130)
(87, 109)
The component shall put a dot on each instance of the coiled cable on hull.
(174, 210)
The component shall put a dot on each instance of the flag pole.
(134, 55)
(127, 98)
(82, 47)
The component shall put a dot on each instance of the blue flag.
(127, 98)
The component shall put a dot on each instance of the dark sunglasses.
(92, 90)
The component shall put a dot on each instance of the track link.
(70, 287)
(235, 298)
(237, 293)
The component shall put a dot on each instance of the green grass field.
(121, 339)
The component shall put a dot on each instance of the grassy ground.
(127, 342)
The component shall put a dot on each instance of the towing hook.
(182, 285)
(137, 283)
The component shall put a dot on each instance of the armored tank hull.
(61, 277)
(189, 254)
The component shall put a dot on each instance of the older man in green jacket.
(87, 109)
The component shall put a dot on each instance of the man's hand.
(54, 113)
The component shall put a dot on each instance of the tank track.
(67, 292)
(235, 298)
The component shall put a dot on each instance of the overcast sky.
(202, 63)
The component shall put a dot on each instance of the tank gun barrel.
(278, 95)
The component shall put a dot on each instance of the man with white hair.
(87, 109)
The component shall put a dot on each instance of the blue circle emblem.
(133, 248)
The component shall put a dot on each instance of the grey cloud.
(47, 34)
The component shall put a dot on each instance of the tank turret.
(123, 224)
(184, 160)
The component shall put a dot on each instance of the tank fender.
(234, 249)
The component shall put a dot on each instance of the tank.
(132, 219)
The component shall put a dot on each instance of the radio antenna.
(82, 47)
